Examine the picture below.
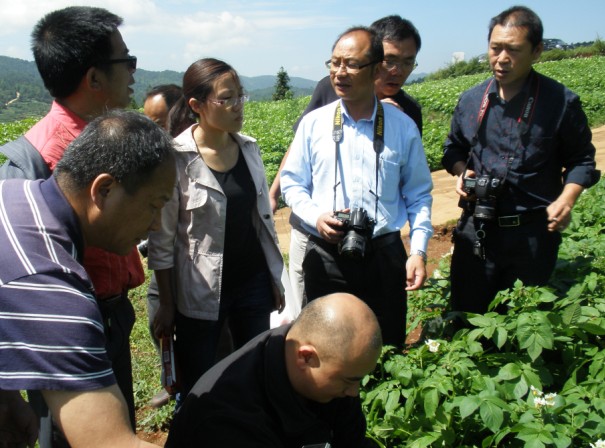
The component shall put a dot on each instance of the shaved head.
(338, 324)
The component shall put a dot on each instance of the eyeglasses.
(349, 67)
(231, 102)
(130, 60)
(405, 65)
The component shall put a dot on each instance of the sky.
(257, 37)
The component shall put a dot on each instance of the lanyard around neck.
(378, 143)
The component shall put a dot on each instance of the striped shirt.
(51, 331)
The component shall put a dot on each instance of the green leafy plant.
(533, 377)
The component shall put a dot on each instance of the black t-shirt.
(243, 256)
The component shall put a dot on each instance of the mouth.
(341, 87)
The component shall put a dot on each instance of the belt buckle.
(509, 221)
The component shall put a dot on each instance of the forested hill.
(20, 80)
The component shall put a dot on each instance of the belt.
(522, 218)
(374, 244)
(384, 240)
(514, 220)
(108, 304)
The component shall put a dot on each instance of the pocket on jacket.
(197, 196)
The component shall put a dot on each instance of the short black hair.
(394, 28)
(376, 51)
(520, 16)
(170, 92)
(125, 144)
(67, 42)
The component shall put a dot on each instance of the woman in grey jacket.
(217, 257)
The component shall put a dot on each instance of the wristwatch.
(419, 252)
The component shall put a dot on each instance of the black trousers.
(378, 279)
(118, 320)
(527, 252)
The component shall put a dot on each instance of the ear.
(101, 189)
(377, 71)
(94, 79)
(195, 105)
(538, 51)
(307, 357)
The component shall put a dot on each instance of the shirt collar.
(347, 116)
(64, 213)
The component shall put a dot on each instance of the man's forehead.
(351, 44)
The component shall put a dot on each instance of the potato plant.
(534, 377)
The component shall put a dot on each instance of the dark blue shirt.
(535, 155)
(51, 330)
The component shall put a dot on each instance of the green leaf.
(469, 405)
(491, 415)
(572, 314)
(431, 401)
(509, 372)
(392, 401)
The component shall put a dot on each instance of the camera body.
(358, 230)
(486, 189)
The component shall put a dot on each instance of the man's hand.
(163, 321)
(278, 299)
(415, 271)
(329, 227)
(392, 102)
(559, 212)
(18, 421)
(460, 185)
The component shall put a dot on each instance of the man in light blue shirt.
(321, 177)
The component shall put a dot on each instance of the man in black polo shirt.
(524, 142)
(401, 42)
(290, 387)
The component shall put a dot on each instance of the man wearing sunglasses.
(87, 69)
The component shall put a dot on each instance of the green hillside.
(22, 92)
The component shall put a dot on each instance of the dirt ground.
(444, 215)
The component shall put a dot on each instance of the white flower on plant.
(536, 392)
(543, 400)
(539, 402)
(433, 345)
(600, 444)
(550, 399)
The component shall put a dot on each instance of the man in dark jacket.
(292, 386)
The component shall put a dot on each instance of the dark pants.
(118, 320)
(527, 252)
(378, 279)
(246, 308)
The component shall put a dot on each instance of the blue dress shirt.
(404, 179)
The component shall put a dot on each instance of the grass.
(146, 367)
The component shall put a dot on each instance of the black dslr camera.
(358, 230)
(486, 189)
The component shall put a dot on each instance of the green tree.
(282, 86)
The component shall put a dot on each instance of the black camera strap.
(378, 143)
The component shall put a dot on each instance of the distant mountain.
(17, 75)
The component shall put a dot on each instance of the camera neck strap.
(525, 116)
(378, 144)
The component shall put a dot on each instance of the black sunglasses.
(130, 60)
